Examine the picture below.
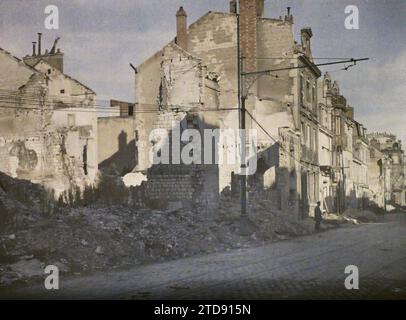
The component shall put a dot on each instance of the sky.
(101, 37)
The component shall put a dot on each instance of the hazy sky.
(100, 38)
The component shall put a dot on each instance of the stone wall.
(189, 185)
(116, 144)
(213, 39)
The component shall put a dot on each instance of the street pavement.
(310, 267)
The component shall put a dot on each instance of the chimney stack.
(181, 25)
(289, 16)
(39, 43)
(34, 49)
(249, 11)
(260, 8)
(55, 59)
(233, 6)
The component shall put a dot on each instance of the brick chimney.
(289, 16)
(39, 43)
(233, 6)
(54, 57)
(181, 26)
(250, 10)
(34, 50)
(260, 8)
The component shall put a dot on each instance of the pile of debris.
(102, 235)
(103, 238)
(362, 216)
(20, 200)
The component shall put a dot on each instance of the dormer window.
(62, 91)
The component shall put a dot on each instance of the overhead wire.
(278, 142)
(15, 96)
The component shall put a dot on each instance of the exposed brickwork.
(213, 38)
(248, 32)
(184, 183)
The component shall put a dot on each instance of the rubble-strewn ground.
(85, 239)
(105, 237)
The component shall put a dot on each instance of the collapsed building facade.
(309, 146)
(196, 76)
(379, 177)
(177, 94)
(387, 154)
(48, 123)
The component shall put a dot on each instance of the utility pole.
(243, 143)
(241, 124)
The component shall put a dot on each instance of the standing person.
(317, 216)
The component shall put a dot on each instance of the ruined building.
(195, 77)
(379, 177)
(391, 156)
(176, 89)
(48, 123)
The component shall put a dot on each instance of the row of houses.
(309, 145)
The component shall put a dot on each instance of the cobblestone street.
(307, 267)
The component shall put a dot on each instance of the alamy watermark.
(352, 280)
(52, 280)
(208, 146)
(52, 19)
(351, 22)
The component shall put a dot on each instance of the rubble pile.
(105, 228)
(362, 216)
(20, 200)
(266, 224)
(85, 239)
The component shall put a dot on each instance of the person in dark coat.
(318, 216)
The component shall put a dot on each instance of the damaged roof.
(65, 75)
